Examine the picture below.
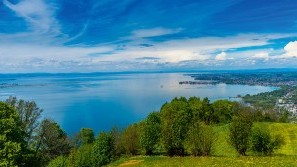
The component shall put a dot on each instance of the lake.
(104, 100)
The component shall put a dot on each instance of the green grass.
(225, 155)
(160, 161)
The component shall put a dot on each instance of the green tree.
(29, 114)
(103, 149)
(240, 131)
(52, 141)
(263, 142)
(175, 117)
(117, 134)
(150, 132)
(11, 136)
(85, 136)
(223, 111)
(130, 139)
(208, 113)
(195, 105)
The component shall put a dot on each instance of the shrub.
(81, 157)
(59, 161)
(240, 132)
(263, 142)
(200, 139)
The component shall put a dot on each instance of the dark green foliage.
(11, 136)
(208, 113)
(223, 111)
(263, 142)
(175, 117)
(116, 134)
(85, 136)
(150, 132)
(130, 139)
(103, 149)
(200, 139)
(52, 140)
(195, 106)
(240, 131)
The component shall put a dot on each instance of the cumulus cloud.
(290, 50)
(221, 56)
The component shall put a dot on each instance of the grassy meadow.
(225, 155)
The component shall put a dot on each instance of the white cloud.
(144, 33)
(195, 52)
(221, 56)
(261, 55)
(38, 14)
(290, 50)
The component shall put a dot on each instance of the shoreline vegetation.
(183, 127)
(185, 131)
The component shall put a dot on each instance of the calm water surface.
(101, 101)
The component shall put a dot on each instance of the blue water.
(102, 101)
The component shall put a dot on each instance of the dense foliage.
(150, 132)
(181, 127)
(11, 136)
(103, 149)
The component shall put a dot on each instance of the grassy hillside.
(225, 155)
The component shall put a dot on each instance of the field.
(225, 155)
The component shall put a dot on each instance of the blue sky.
(134, 35)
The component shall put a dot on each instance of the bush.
(240, 132)
(200, 139)
(103, 149)
(263, 142)
(59, 161)
(82, 157)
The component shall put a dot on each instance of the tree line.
(182, 127)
